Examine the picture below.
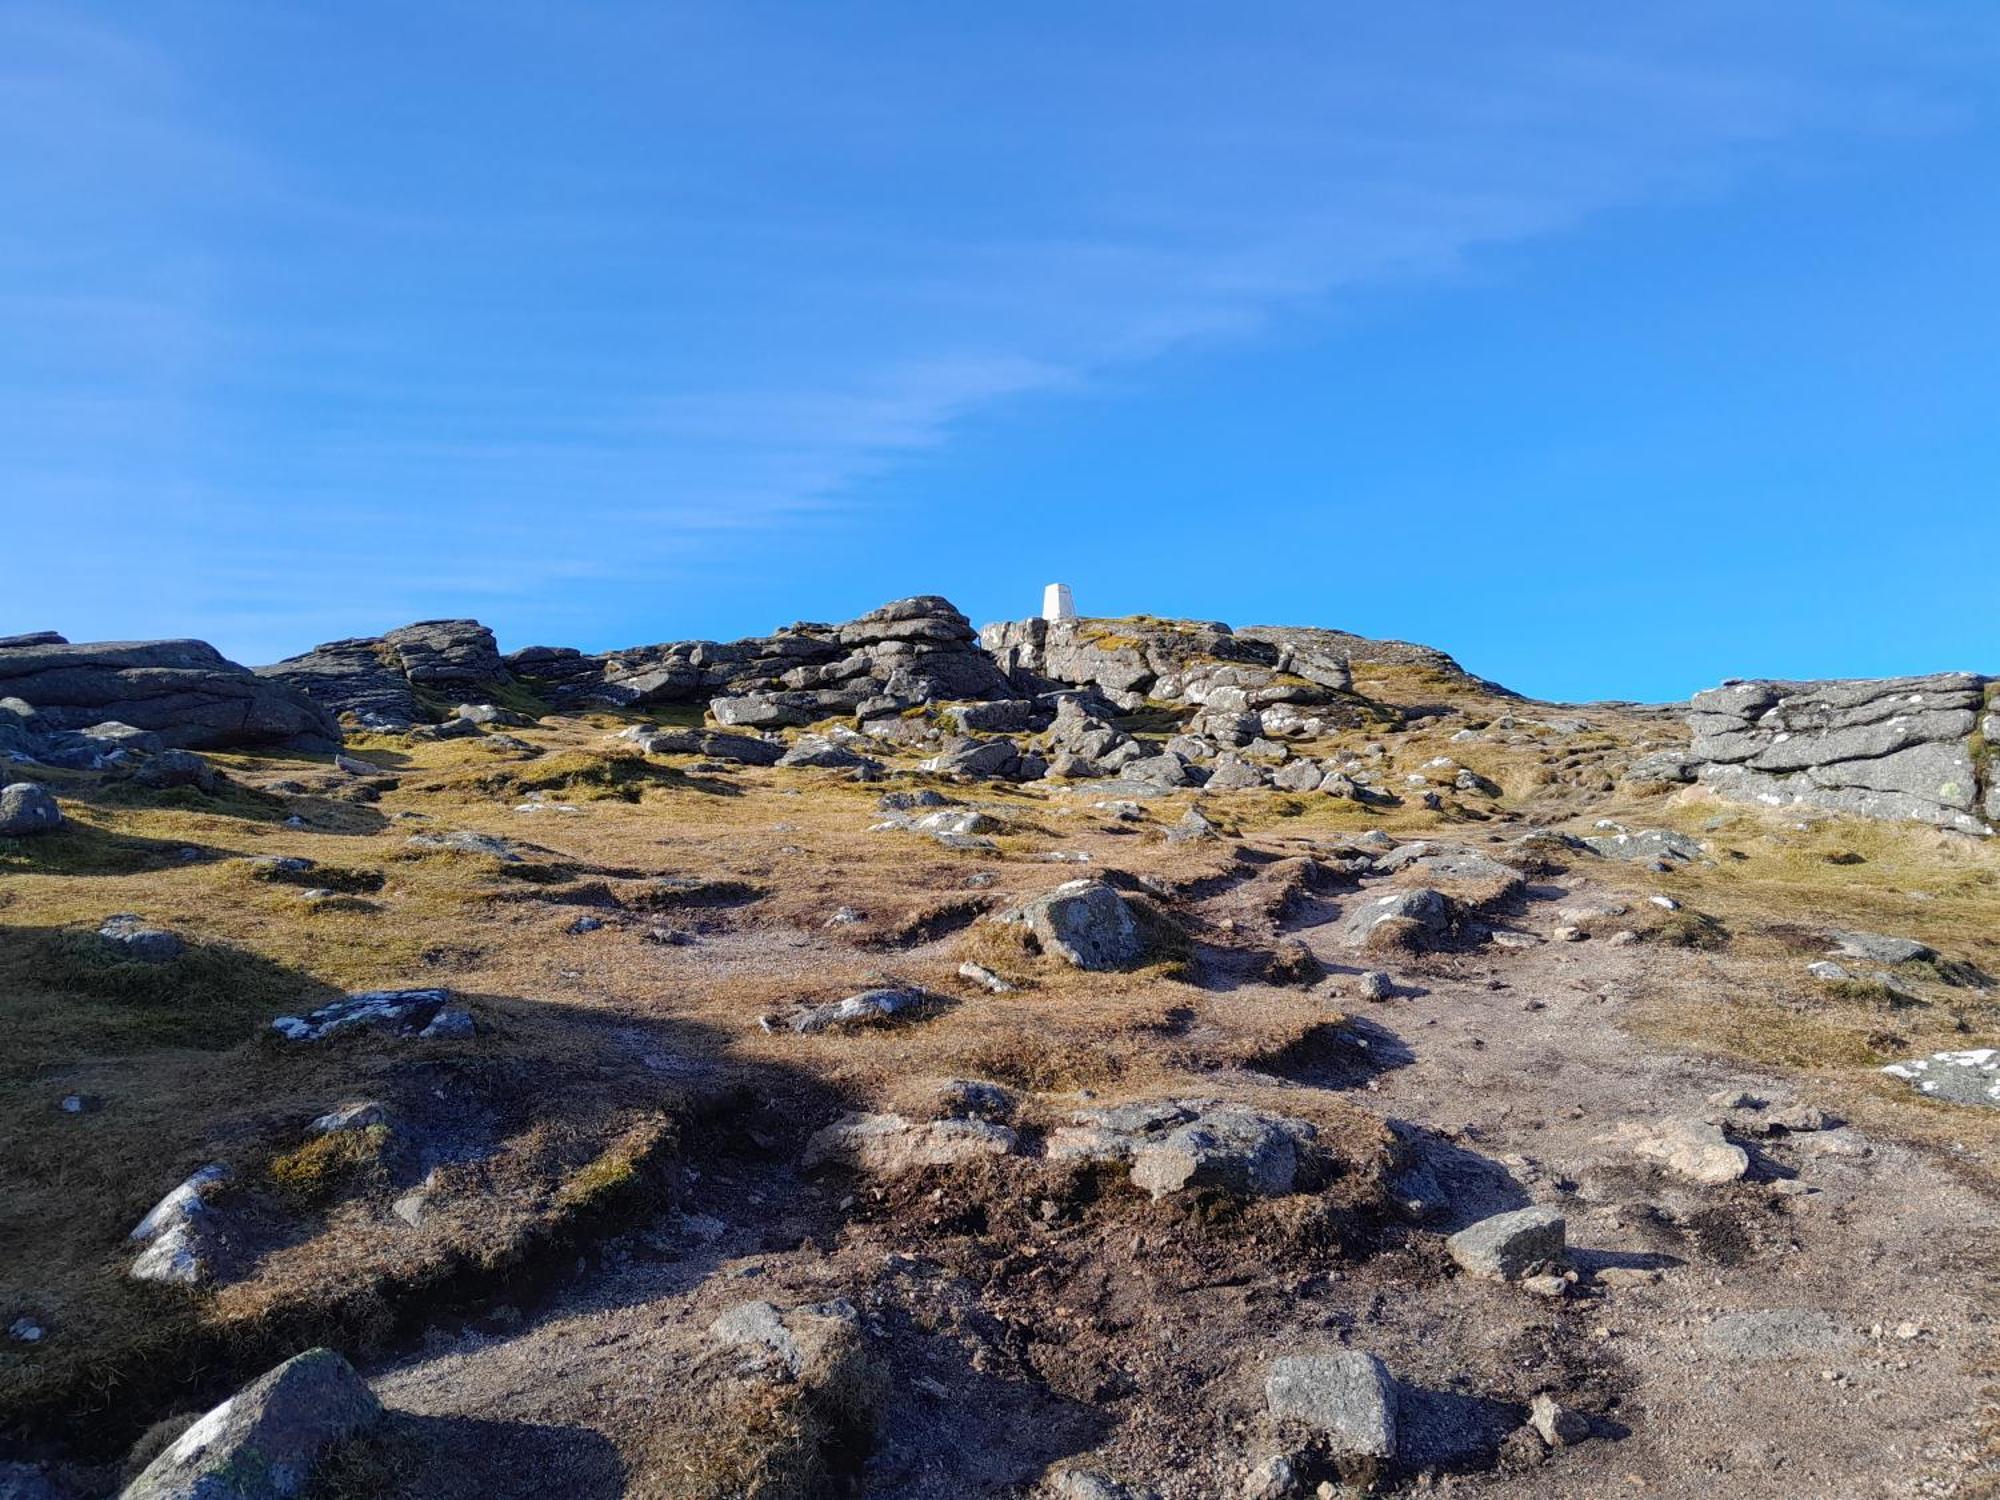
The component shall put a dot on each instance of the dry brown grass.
(573, 1128)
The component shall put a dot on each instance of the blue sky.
(1614, 349)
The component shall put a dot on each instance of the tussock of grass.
(328, 1165)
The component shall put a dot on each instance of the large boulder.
(1889, 747)
(377, 678)
(264, 1441)
(185, 692)
(26, 809)
(909, 652)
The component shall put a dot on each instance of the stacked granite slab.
(1891, 747)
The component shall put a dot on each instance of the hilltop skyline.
(1613, 355)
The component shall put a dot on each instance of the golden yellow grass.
(754, 862)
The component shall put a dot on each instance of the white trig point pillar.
(1057, 603)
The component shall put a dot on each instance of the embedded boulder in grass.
(180, 1232)
(133, 939)
(264, 1442)
(420, 1013)
(1968, 1077)
(1085, 923)
(1415, 918)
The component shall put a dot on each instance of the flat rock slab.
(422, 1012)
(1694, 1149)
(1969, 1077)
(886, 1144)
(1778, 1333)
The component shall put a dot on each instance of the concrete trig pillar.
(1057, 603)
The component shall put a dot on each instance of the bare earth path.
(1819, 1329)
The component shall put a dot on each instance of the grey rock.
(1971, 1076)
(492, 713)
(364, 1115)
(823, 754)
(1645, 846)
(887, 1144)
(976, 758)
(1239, 1151)
(1344, 1399)
(184, 691)
(868, 1008)
(492, 846)
(400, 1012)
(1193, 828)
(1555, 1423)
(1882, 748)
(172, 768)
(1510, 1246)
(710, 744)
(1879, 949)
(134, 941)
(1085, 923)
(1827, 970)
(1191, 1145)
(1423, 914)
(1694, 1149)
(1233, 773)
(449, 1024)
(179, 1232)
(28, 809)
(1274, 1479)
(263, 1442)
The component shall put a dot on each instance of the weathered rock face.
(376, 678)
(185, 692)
(263, 1442)
(1085, 923)
(1891, 747)
(911, 651)
(1172, 661)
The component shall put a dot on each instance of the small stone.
(1273, 1479)
(1826, 969)
(1558, 1425)
(365, 1115)
(985, 978)
(1375, 984)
